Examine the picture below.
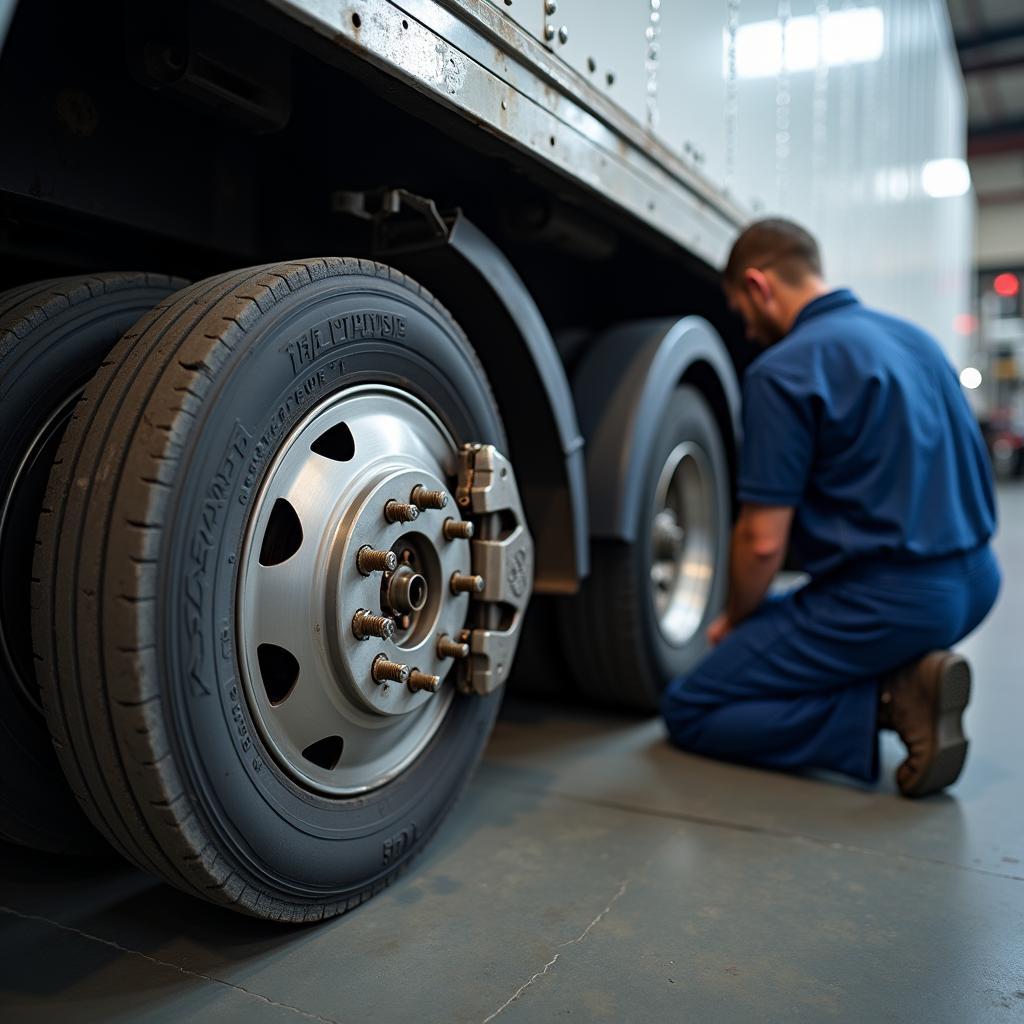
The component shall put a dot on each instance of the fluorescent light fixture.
(970, 377)
(855, 36)
(942, 179)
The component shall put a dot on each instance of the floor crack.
(551, 963)
(166, 963)
(777, 833)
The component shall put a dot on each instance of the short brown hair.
(785, 246)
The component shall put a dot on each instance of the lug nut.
(369, 560)
(399, 512)
(384, 671)
(448, 648)
(457, 529)
(467, 584)
(423, 681)
(422, 498)
(365, 624)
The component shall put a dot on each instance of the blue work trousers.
(796, 684)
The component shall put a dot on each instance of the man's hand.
(758, 550)
(719, 630)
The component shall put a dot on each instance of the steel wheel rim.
(683, 543)
(305, 603)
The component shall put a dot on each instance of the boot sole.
(954, 693)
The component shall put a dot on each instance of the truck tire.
(212, 708)
(641, 616)
(53, 335)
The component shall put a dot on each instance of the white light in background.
(970, 377)
(854, 36)
(942, 179)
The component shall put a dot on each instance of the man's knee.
(683, 708)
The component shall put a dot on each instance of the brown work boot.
(924, 703)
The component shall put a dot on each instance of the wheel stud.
(365, 624)
(448, 648)
(399, 512)
(457, 529)
(422, 498)
(384, 671)
(369, 560)
(423, 681)
(467, 584)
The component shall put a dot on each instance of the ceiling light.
(854, 36)
(970, 377)
(942, 179)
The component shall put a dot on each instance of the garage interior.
(592, 872)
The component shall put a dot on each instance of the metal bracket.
(502, 553)
(399, 218)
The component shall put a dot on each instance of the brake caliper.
(502, 557)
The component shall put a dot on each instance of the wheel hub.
(413, 595)
(323, 607)
(682, 543)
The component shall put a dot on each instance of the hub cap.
(683, 543)
(325, 710)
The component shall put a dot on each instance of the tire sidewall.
(49, 364)
(286, 364)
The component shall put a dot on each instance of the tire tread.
(156, 381)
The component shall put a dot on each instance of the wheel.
(640, 618)
(245, 666)
(53, 335)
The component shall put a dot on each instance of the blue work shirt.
(857, 420)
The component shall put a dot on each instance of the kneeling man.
(859, 442)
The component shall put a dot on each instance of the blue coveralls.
(856, 419)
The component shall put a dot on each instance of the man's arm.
(757, 552)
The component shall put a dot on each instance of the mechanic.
(858, 446)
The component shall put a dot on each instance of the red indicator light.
(1006, 285)
(965, 324)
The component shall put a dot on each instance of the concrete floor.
(592, 873)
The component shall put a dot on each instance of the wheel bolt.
(400, 512)
(423, 681)
(422, 498)
(365, 624)
(456, 529)
(467, 584)
(384, 671)
(369, 560)
(448, 648)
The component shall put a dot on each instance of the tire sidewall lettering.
(230, 457)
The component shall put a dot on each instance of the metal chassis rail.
(469, 57)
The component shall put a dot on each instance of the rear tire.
(143, 646)
(624, 650)
(53, 335)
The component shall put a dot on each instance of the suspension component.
(457, 529)
(370, 560)
(423, 681)
(365, 624)
(424, 499)
(384, 671)
(400, 512)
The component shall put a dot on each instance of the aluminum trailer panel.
(692, 118)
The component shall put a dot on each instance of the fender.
(622, 387)
(478, 284)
